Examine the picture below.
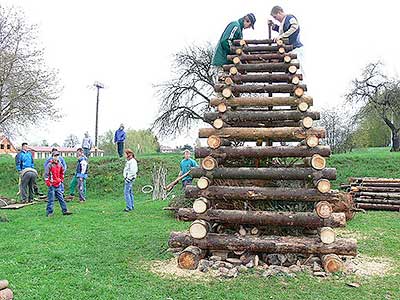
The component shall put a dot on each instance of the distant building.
(39, 152)
(166, 149)
(6, 147)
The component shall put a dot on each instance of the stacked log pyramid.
(261, 101)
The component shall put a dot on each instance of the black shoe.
(127, 210)
(67, 213)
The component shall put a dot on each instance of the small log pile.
(261, 102)
(5, 292)
(375, 193)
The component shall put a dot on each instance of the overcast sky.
(128, 46)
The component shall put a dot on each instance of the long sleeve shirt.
(130, 169)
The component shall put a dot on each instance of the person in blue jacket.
(186, 164)
(62, 162)
(119, 138)
(28, 175)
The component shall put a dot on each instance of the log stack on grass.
(261, 102)
(376, 193)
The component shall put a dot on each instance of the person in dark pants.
(28, 182)
(186, 164)
(54, 177)
(119, 138)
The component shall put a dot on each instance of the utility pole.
(99, 86)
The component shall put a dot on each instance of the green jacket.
(232, 32)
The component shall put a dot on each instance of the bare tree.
(28, 88)
(71, 141)
(185, 98)
(377, 93)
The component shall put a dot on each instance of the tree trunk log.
(262, 152)
(374, 180)
(6, 294)
(189, 258)
(253, 134)
(261, 218)
(381, 195)
(263, 67)
(260, 88)
(271, 244)
(262, 57)
(262, 49)
(259, 193)
(263, 101)
(201, 205)
(323, 209)
(209, 163)
(258, 42)
(377, 201)
(327, 235)
(373, 206)
(375, 189)
(199, 229)
(265, 173)
(246, 116)
(214, 142)
(332, 263)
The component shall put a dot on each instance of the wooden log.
(270, 244)
(254, 231)
(264, 218)
(375, 189)
(222, 107)
(380, 184)
(203, 182)
(303, 106)
(374, 179)
(218, 123)
(239, 51)
(307, 122)
(189, 258)
(266, 124)
(201, 205)
(281, 50)
(299, 91)
(312, 141)
(233, 70)
(214, 142)
(323, 186)
(318, 162)
(209, 163)
(263, 152)
(332, 263)
(253, 134)
(3, 284)
(264, 173)
(258, 42)
(381, 195)
(377, 201)
(296, 79)
(264, 67)
(265, 116)
(199, 229)
(242, 231)
(259, 193)
(323, 209)
(263, 57)
(263, 101)
(327, 235)
(373, 206)
(227, 91)
(236, 60)
(265, 78)
(261, 49)
(6, 294)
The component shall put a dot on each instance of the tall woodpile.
(261, 100)
(5, 292)
(376, 193)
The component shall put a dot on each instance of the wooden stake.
(299, 91)
(199, 229)
(327, 235)
(312, 141)
(292, 69)
(222, 107)
(189, 258)
(287, 59)
(303, 106)
(307, 122)
(318, 162)
(236, 60)
(323, 186)
(323, 209)
(227, 92)
(201, 205)
(209, 163)
(332, 263)
(218, 123)
(203, 183)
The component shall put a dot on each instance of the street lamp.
(99, 86)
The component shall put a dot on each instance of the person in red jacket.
(54, 177)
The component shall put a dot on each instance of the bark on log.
(381, 195)
(265, 173)
(271, 244)
(263, 67)
(253, 134)
(262, 152)
(259, 193)
(227, 91)
(3, 284)
(262, 218)
(189, 258)
(240, 78)
(375, 189)
(374, 180)
(258, 42)
(374, 206)
(261, 49)
(332, 263)
(266, 124)
(6, 294)
(262, 101)
(377, 201)
(263, 57)
(379, 184)
(268, 116)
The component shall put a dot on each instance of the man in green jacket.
(232, 32)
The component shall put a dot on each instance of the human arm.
(47, 174)
(231, 32)
(18, 162)
(294, 25)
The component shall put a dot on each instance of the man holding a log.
(186, 164)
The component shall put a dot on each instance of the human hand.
(270, 22)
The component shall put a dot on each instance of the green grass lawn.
(102, 253)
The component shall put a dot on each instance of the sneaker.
(127, 210)
(50, 215)
(67, 213)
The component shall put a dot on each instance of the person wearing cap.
(62, 162)
(234, 31)
(87, 144)
(119, 138)
(54, 177)
(186, 164)
(129, 174)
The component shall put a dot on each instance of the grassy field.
(102, 253)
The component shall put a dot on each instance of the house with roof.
(6, 147)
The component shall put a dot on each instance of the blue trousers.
(55, 192)
(129, 196)
(120, 148)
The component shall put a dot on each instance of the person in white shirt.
(130, 172)
(87, 144)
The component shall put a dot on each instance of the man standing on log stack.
(186, 164)
(234, 31)
(119, 139)
(288, 28)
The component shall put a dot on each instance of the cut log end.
(201, 205)
(318, 162)
(199, 229)
(303, 106)
(298, 92)
(295, 80)
(242, 43)
(218, 123)
(209, 163)
(233, 71)
(323, 209)
(307, 122)
(327, 235)
(236, 60)
(240, 51)
(312, 141)
(203, 183)
(227, 92)
(282, 50)
(332, 263)
(228, 81)
(323, 186)
(279, 42)
(222, 107)
(292, 69)
(189, 258)
(287, 59)
(214, 142)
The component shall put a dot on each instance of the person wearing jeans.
(54, 176)
(130, 172)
